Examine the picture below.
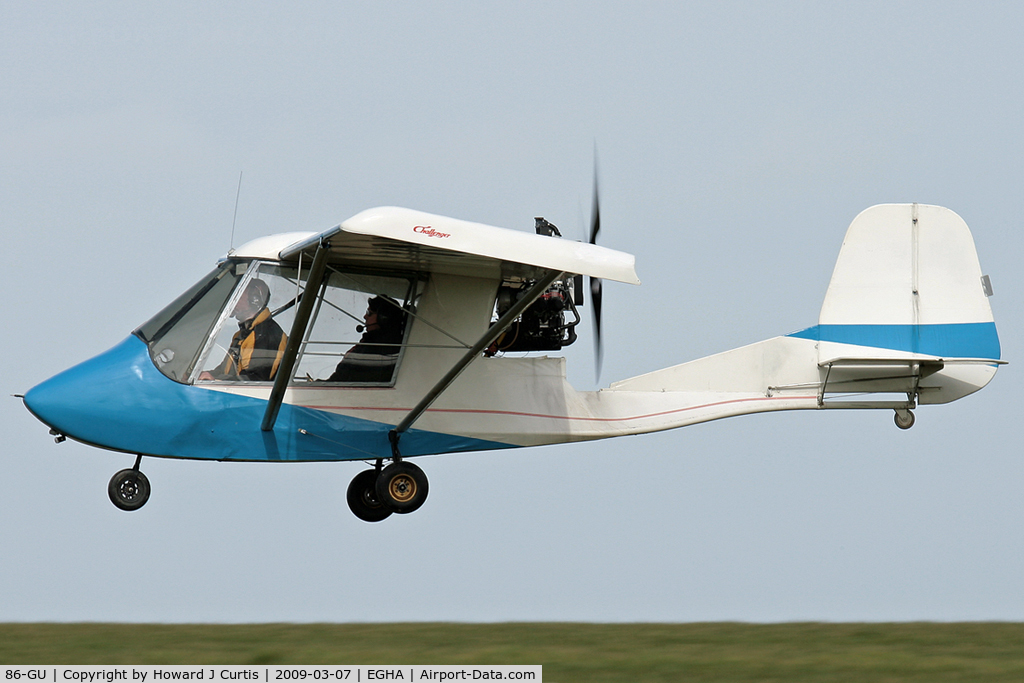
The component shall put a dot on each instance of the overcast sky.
(737, 141)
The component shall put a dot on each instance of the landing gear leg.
(904, 418)
(129, 489)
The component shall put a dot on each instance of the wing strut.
(291, 351)
(474, 352)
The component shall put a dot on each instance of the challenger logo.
(430, 232)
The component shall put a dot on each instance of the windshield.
(176, 334)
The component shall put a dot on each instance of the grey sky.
(737, 142)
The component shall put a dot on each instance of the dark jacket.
(373, 359)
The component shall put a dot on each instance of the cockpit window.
(176, 334)
(233, 326)
(358, 329)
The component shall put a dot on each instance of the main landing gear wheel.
(128, 489)
(363, 500)
(904, 419)
(402, 487)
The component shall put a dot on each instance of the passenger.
(374, 358)
(258, 346)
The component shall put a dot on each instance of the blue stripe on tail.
(954, 340)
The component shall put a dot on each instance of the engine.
(543, 325)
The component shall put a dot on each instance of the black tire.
(402, 487)
(128, 490)
(905, 422)
(362, 498)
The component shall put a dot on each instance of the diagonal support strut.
(291, 350)
(474, 352)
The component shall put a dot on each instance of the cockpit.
(233, 326)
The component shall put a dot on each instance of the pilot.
(258, 346)
(374, 358)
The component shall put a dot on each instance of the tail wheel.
(363, 500)
(128, 489)
(402, 487)
(904, 419)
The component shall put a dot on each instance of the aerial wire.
(234, 218)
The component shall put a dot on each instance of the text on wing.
(430, 232)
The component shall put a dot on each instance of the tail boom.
(905, 321)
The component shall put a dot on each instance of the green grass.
(568, 652)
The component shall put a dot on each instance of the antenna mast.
(235, 217)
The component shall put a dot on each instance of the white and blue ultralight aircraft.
(448, 314)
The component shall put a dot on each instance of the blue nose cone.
(90, 401)
(120, 401)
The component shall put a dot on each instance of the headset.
(390, 314)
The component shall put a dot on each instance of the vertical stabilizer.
(908, 281)
(908, 289)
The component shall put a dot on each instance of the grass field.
(568, 652)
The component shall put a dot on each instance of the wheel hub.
(403, 488)
(129, 489)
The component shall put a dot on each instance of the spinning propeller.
(595, 282)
